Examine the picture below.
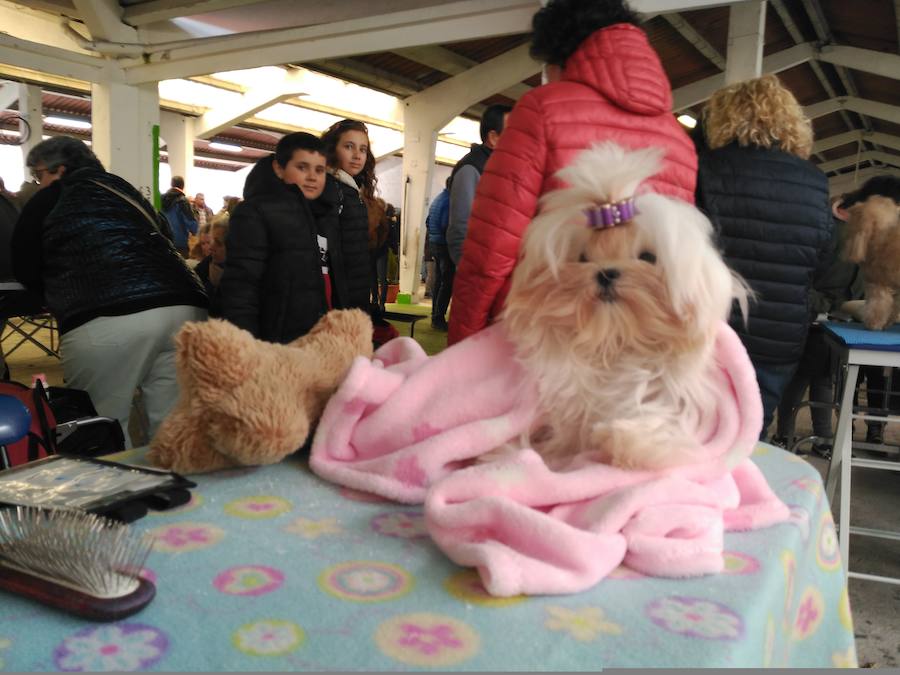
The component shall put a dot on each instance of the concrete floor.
(876, 504)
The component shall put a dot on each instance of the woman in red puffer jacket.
(606, 84)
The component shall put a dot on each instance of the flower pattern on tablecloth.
(769, 645)
(844, 610)
(258, 507)
(828, 551)
(584, 624)
(400, 524)
(113, 647)
(739, 563)
(809, 484)
(185, 536)
(800, 517)
(366, 581)
(845, 659)
(426, 639)
(810, 611)
(270, 637)
(312, 529)
(466, 586)
(696, 617)
(4, 644)
(248, 580)
(295, 626)
(789, 565)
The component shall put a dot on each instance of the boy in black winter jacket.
(286, 264)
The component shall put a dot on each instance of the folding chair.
(26, 320)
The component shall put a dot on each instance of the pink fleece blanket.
(407, 426)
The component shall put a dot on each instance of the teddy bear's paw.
(198, 460)
(255, 439)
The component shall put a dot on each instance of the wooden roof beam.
(869, 156)
(449, 22)
(861, 106)
(697, 92)
(163, 10)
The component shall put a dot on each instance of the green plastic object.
(404, 299)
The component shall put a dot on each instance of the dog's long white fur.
(605, 371)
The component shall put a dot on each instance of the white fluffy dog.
(613, 310)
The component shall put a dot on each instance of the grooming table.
(857, 347)
(272, 569)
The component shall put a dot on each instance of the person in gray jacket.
(466, 174)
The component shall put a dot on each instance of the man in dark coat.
(178, 211)
(286, 264)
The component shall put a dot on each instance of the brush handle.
(75, 602)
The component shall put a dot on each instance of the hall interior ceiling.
(852, 94)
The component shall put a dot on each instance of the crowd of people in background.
(311, 233)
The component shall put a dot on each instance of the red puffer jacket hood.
(620, 65)
(612, 88)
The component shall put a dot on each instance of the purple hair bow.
(610, 215)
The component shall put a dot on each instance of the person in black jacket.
(104, 262)
(351, 168)
(770, 208)
(288, 259)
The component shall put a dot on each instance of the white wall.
(213, 183)
(12, 167)
(390, 180)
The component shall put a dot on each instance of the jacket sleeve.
(462, 194)
(505, 202)
(188, 217)
(26, 248)
(247, 251)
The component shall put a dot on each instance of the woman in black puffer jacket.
(104, 262)
(770, 208)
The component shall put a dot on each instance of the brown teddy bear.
(248, 402)
(873, 241)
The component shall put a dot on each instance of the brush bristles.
(88, 552)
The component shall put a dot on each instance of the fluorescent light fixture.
(687, 121)
(225, 147)
(67, 122)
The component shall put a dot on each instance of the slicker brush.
(74, 561)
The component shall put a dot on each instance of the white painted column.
(746, 35)
(178, 133)
(419, 140)
(124, 117)
(32, 110)
(424, 115)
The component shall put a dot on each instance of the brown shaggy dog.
(873, 241)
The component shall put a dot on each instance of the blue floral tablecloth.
(274, 569)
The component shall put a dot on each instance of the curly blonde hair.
(760, 112)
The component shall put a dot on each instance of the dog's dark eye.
(646, 256)
(582, 258)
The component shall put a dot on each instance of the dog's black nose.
(606, 277)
